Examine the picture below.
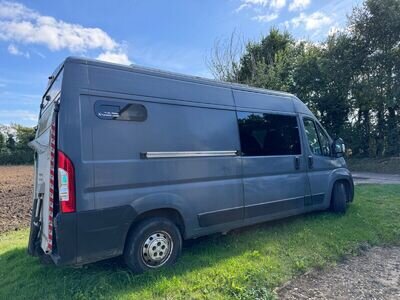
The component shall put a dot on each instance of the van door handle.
(297, 162)
(310, 161)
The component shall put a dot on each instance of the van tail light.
(66, 184)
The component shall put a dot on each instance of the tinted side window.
(317, 139)
(268, 134)
(120, 111)
(324, 141)
(312, 137)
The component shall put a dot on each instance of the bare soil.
(16, 183)
(373, 275)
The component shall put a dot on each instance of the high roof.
(168, 74)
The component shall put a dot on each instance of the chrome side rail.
(185, 154)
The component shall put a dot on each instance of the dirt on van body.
(375, 274)
(16, 187)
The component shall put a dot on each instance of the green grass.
(245, 264)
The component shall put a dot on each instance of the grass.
(389, 165)
(245, 264)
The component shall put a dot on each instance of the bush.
(14, 149)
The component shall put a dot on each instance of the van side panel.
(192, 186)
(177, 120)
(135, 83)
(247, 100)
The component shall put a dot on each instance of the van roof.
(179, 76)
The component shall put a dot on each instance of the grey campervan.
(130, 161)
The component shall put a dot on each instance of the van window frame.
(319, 130)
(44, 104)
(286, 114)
(121, 106)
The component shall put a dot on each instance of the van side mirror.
(338, 147)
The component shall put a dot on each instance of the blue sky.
(175, 35)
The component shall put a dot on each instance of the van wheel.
(339, 198)
(154, 243)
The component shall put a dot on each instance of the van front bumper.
(85, 237)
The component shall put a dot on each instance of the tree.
(10, 142)
(2, 142)
(14, 147)
(375, 26)
(223, 61)
(351, 81)
(23, 136)
(267, 63)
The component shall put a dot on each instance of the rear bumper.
(90, 236)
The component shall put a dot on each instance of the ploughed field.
(16, 184)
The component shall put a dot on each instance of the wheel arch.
(165, 212)
(342, 176)
(170, 213)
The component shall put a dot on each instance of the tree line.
(351, 80)
(14, 149)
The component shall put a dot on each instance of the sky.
(174, 35)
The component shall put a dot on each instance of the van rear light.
(66, 183)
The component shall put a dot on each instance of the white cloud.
(12, 49)
(115, 57)
(336, 29)
(241, 7)
(256, 4)
(312, 21)
(277, 4)
(19, 24)
(299, 4)
(15, 11)
(267, 10)
(266, 18)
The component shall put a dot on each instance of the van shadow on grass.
(24, 275)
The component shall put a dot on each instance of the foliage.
(351, 81)
(388, 165)
(14, 149)
(245, 264)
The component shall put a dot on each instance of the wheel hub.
(157, 249)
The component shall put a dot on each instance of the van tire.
(339, 198)
(154, 233)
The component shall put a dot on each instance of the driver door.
(320, 163)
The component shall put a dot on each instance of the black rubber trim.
(256, 210)
(269, 208)
(89, 236)
(65, 231)
(314, 199)
(220, 216)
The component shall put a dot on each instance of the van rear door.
(44, 145)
